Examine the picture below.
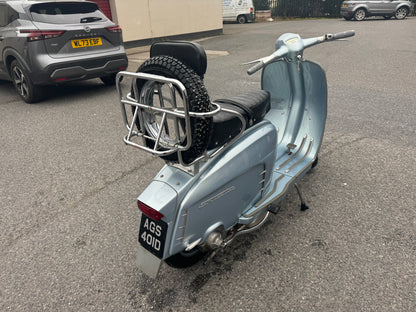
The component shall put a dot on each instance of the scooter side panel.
(226, 187)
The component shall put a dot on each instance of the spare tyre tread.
(198, 99)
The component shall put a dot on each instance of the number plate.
(87, 42)
(152, 235)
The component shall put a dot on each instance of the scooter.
(229, 162)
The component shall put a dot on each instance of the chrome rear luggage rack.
(173, 117)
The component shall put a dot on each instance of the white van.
(240, 11)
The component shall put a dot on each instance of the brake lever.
(256, 61)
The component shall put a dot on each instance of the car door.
(8, 22)
(388, 6)
(374, 6)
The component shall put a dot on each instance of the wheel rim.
(20, 82)
(157, 95)
(359, 15)
(401, 13)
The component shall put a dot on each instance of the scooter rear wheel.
(198, 99)
(185, 259)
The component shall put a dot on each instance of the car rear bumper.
(76, 69)
(250, 17)
(347, 12)
(79, 72)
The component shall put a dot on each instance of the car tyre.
(359, 15)
(401, 13)
(29, 92)
(109, 80)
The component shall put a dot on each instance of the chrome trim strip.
(304, 156)
(270, 193)
(294, 154)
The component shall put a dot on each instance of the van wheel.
(242, 19)
(155, 94)
(24, 86)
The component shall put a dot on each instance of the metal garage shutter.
(104, 6)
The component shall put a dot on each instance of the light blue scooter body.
(239, 184)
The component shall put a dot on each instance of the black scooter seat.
(252, 105)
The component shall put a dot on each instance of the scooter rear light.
(149, 211)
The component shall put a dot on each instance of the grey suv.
(386, 8)
(50, 42)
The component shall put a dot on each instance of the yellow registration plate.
(86, 42)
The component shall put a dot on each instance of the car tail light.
(114, 29)
(35, 35)
(149, 211)
(251, 10)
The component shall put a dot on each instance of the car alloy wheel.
(20, 81)
(401, 13)
(24, 86)
(359, 15)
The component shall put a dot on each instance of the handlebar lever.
(266, 60)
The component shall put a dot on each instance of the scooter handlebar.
(345, 34)
(282, 51)
(255, 68)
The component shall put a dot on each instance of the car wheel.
(359, 15)
(241, 19)
(198, 101)
(109, 80)
(24, 86)
(401, 13)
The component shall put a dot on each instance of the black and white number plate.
(152, 235)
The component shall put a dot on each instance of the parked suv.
(50, 42)
(386, 8)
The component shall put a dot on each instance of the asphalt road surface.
(69, 221)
